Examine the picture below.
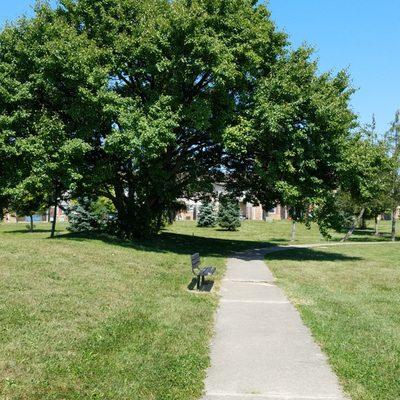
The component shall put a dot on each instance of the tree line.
(147, 102)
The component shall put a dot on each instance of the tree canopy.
(145, 102)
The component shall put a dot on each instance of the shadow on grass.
(36, 230)
(167, 242)
(363, 235)
(205, 287)
(312, 254)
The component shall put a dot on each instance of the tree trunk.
(363, 223)
(135, 220)
(376, 225)
(53, 224)
(31, 223)
(293, 235)
(394, 217)
(351, 230)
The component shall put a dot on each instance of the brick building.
(247, 210)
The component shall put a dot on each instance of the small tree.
(229, 214)
(89, 216)
(207, 215)
(23, 203)
(44, 138)
(392, 140)
(292, 144)
(363, 176)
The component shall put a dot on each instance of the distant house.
(247, 210)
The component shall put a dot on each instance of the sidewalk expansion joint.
(254, 301)
(254, 281)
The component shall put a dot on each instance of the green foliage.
(290, 146)
(157, 83)
(139, 101)
(361, 186)
(228, 213)
(87, 215)
(24, 203)
(365, 169)
(178, 74)
(207, 215)
(364, 180)
(103, 207)
(48, 77)
(392, 140)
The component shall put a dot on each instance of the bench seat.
(200, 273)
(207, 271)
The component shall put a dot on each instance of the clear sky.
(362, 36)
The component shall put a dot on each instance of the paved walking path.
(261, 349)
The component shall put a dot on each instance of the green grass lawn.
(349, 296)
(100, 318)
(252, 233)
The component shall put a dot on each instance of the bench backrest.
(195, 260)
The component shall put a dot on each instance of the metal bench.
(200, 273)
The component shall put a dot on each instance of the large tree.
(148, 101)
(181, 72)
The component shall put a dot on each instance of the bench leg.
(198, 282)
(202, 280)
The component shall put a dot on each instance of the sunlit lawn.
(98, 318)
(94, 319)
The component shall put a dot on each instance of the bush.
(207, 215)
(229, 214)
(89, 216)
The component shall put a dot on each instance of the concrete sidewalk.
(261, 349)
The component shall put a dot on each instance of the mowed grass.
(349, 296)
(99, 318)
(84, 318)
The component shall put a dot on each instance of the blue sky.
(362, 36)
